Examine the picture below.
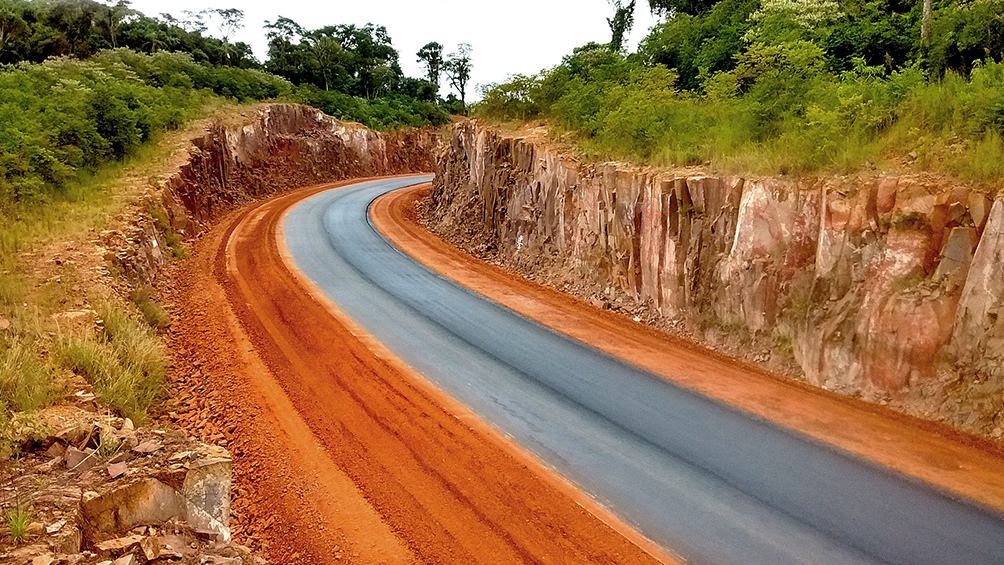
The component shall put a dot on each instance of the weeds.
(172, 239)
(18, 520)
(108, 445)
(25, 382)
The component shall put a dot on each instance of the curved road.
(712, 484)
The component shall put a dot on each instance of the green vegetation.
(154, 314)
(26, 383)
(95, 99)
(85, 85)
(66, 117)
(18, 520)
(786, 86)
(125, 362)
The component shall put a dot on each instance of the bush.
(66, 117)
(387, 113)
(779, 110)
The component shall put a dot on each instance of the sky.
(507, 36)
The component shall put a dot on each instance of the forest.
(84, 83)
(784, 87)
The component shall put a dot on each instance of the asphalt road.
(712, 484)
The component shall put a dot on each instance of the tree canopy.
(35, 31)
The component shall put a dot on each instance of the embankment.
(880, 286)
(277, 148)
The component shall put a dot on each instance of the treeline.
(66, 116)
(37, 30)
(83, 83)
(348, 60)
(786, 86)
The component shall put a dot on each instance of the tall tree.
(329, 54)
(925, 25)
(458, 69)
(12, 26)
(116, 13)
(194, 22)
(228, 21)
(621, 23)
(431, 57)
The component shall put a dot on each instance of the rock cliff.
(280, 147)
(880, 286)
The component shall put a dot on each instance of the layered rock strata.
(890, 287)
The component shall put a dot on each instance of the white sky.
(507, 36)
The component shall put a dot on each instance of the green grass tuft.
(154, 314)
(18, 520)
(25, 382)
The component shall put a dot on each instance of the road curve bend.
(713, 484)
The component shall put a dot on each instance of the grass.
(18, 520)
(125, 362)
(26, 383)
(108, 444)
(89, 200)
(154, 314)
(122, 357)
(816, 124)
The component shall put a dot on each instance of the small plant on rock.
(18, 519)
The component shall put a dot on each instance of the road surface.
(711, 483)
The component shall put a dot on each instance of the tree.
(12, 26)
(674, 7)
(115, 15)
(925, 25)
(431, 57)
(329, 54)
(228, 21)
(621, 22)
(458, 70)
(194, 22)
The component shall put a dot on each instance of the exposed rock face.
(284, 146)
(882, 286)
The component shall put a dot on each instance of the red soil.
(341, 452)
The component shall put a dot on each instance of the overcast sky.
(507, 36)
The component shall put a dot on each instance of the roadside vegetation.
(97, 99)
(124, 361)
(784, 86)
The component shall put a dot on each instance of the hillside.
(793, 88)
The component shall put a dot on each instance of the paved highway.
(711, 484)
